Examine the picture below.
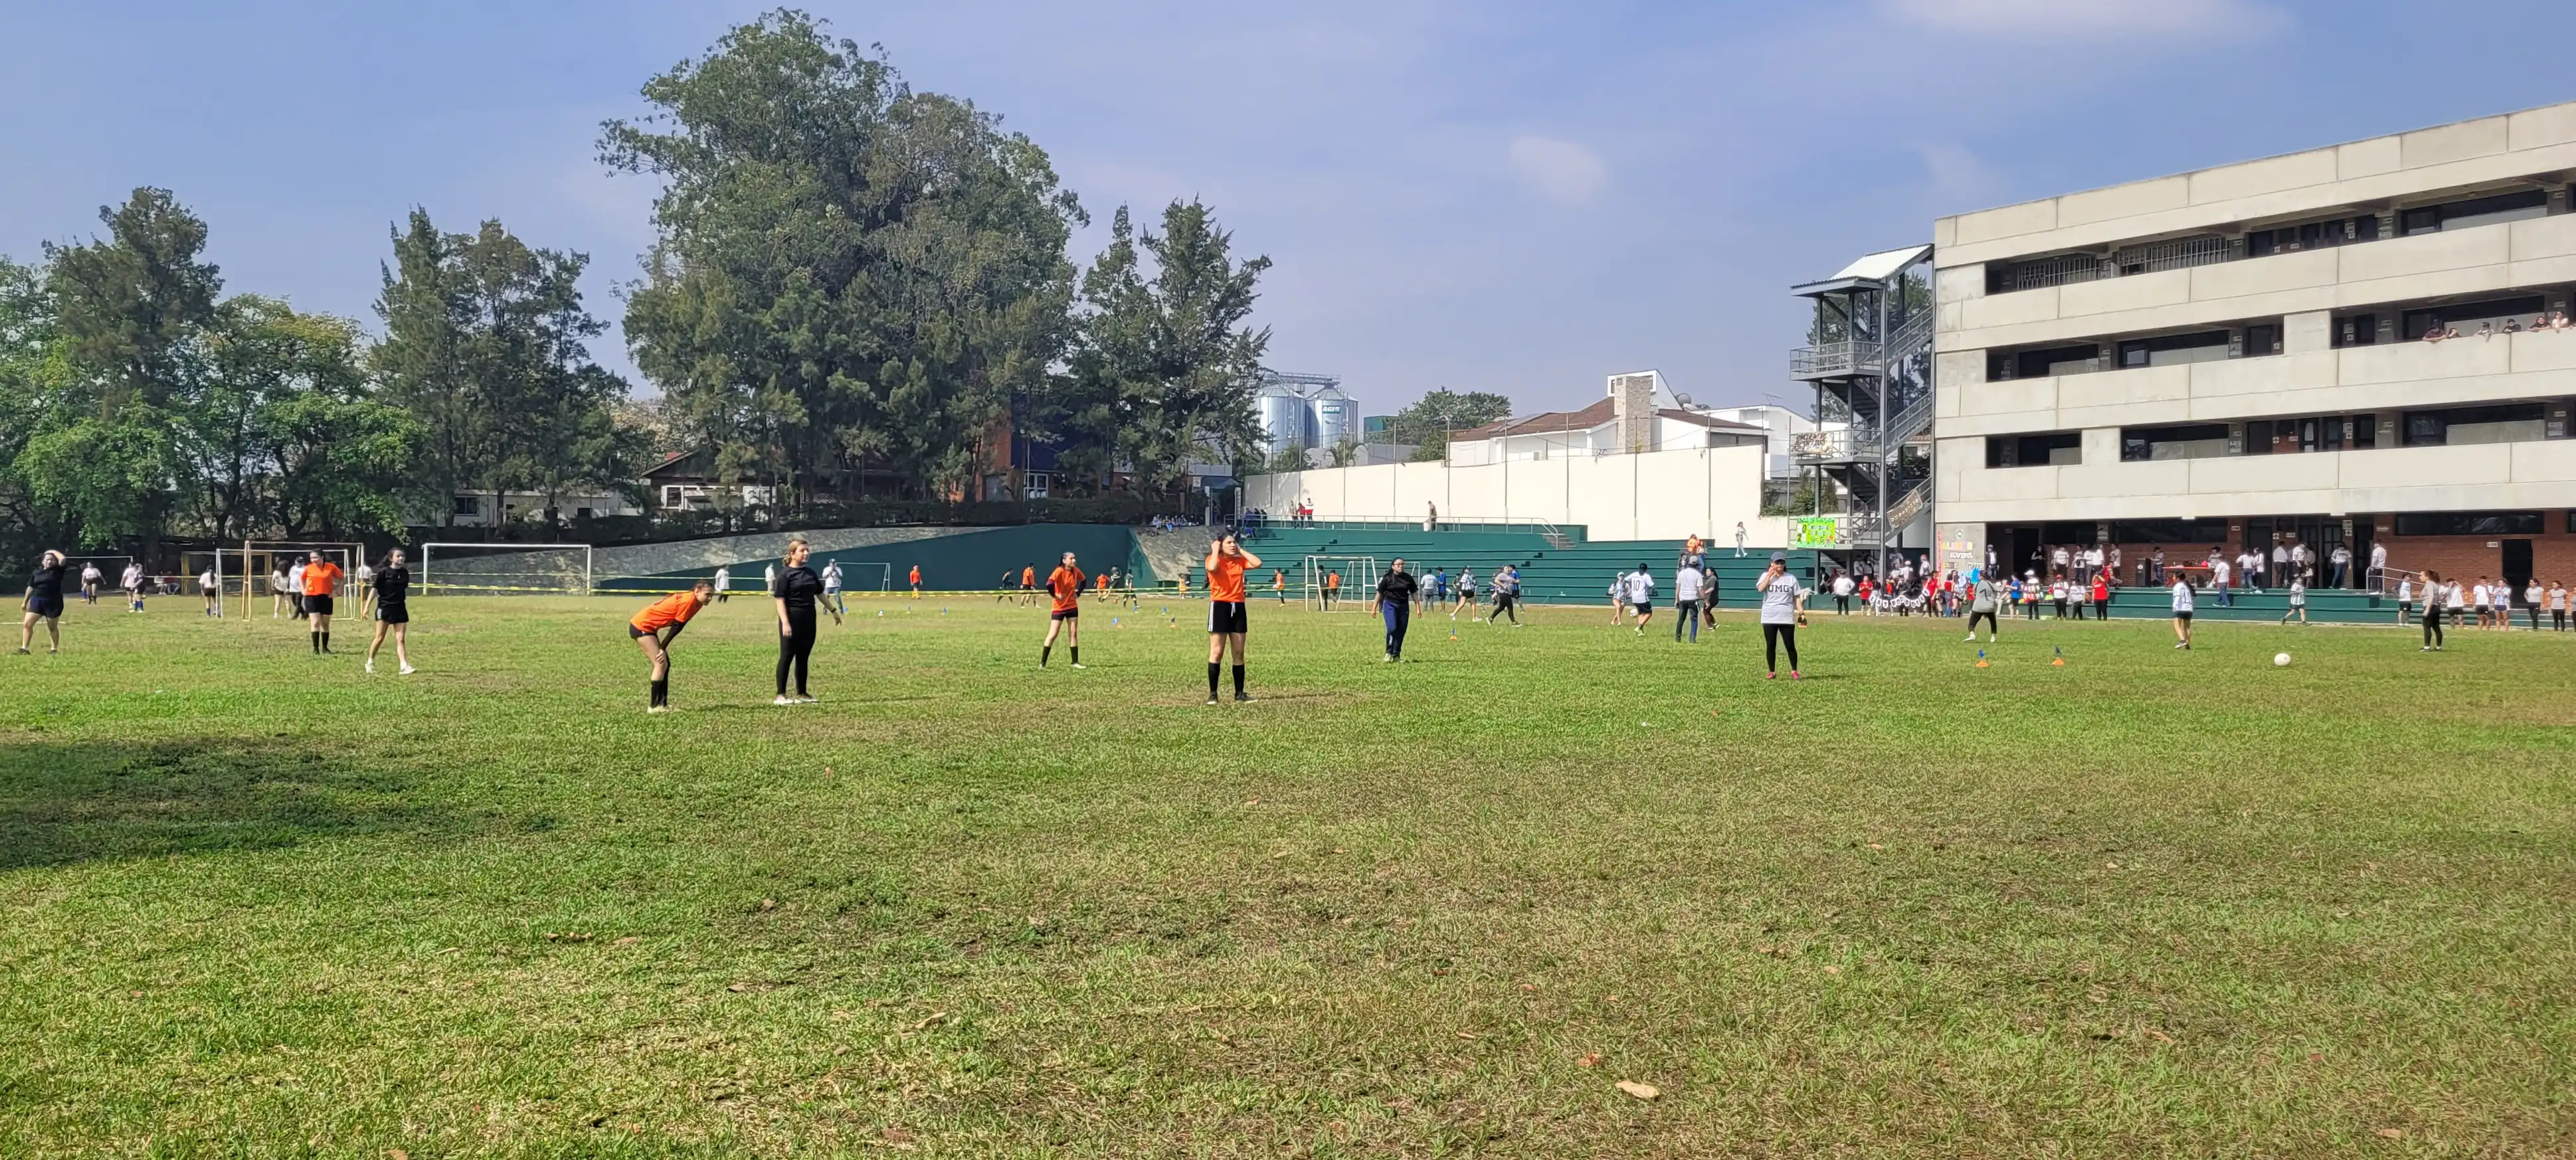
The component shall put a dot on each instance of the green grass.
(253, 903)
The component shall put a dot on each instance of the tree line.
(854, 290)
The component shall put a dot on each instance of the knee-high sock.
(1238, 680)
(1212, 671)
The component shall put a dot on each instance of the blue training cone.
(1981, 658)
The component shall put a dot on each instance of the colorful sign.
(1814, 532)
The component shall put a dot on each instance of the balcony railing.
(1857, 356)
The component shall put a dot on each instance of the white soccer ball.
(2281, 660)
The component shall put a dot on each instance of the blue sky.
(1489, 195)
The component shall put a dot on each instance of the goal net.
(1356, 590)
(503, 570)
(860, 575)
(265, 569)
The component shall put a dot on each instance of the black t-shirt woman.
(45, 603)
(392, 585)
(795, 592)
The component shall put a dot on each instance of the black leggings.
(1972, 623)
(1507, 605)
(2433, 628)
(1774, 636)
(1398, 615)
(795, 648)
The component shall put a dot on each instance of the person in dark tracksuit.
(1395, 592)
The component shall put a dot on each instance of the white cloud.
(1561, 171)
(2065, 19)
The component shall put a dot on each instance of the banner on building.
(1814, 532)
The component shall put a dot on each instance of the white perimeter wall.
(1658, 495)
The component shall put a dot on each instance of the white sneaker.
(1080, 665)
(657, 708)
(407, 670)
(782, 700)
(371, 664)
(1971, 638)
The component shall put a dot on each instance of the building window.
(2468, 523)
(1036, 487)
(2039, 364)
(2175, 349)
(2476, 211)
(468, 505)
(582, 513)
(2058, 449)
(2460, 426)
(2192, 441)
(2035, 273)
(2312, 236)
(2356, 330)
(2176, 254)
(2467, 317)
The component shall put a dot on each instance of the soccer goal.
(504, 570)
(1357, 591)
(111, 572)
(267, 567)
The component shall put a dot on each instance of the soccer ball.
(2281, 660)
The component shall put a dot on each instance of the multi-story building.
(2242, 355)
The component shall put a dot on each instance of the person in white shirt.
(2435, 592)
(2453, 602)
(90, 580)
(724, 583)
(276, 593)
(1619, 599)
(2280, 573)
(1784, 608)
(2340, 560)
(2557, 607)
(2299, 559)
(2218, 578)
(2057, 559)
(295, 590)
(832, 587)
(769, 578)
(211, 587)
(1641, 596)
(2405, 601)
(2478, 604)
(1687, 581)
(1842, 593)
(2532, 595)
(133, 584)
(2378, 564)
(2182, 612)
(364, 580)
(2298, 600)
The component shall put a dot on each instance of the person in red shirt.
(657, 626)
(2102, 595)
(1029, 584)
(321, 583)
(1226, 563)
(1065, 584)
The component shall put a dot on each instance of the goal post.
(504, 569)
(1357, 591)
(260, 560)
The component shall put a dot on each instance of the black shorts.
(635, 633)
(2184, 617)
(1064, 613)
(1642, 607)
(317, 605)
(46, 606)
(394, 613)
(1227, 616)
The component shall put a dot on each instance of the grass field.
(253, 903)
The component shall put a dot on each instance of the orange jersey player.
(1065, 585)
(657, 626)
(1226, 563)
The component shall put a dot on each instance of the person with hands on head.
(1226, 563)
(45, 603)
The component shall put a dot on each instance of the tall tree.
(133, 309)
(848, 273)
(1165, 369)
(487, 346)
(1428, 421)
(285, 433)
(35, 377)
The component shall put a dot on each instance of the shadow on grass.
(78, 802)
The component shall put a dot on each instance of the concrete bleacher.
(1570, 569)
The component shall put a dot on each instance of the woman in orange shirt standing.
(1065, 585)
(1226, 564)
(657, 626)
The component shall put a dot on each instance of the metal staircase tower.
(1869, 357)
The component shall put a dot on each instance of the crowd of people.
(2555, 320)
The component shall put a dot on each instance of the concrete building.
(2238, 356)
(1637, 413)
